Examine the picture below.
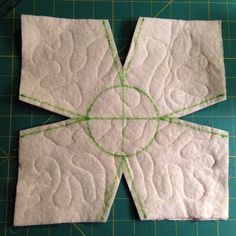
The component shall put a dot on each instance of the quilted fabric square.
(122, 120)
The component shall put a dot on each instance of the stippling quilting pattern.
(188, 64)
(180, 184)
(61, 56)
(72, 177)
(123, 120)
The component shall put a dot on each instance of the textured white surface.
(63, 177)
(65, 63)
(183, 175)
(180, 64)
(122, 121)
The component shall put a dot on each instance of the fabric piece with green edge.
(122, 120)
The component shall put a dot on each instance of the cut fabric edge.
(106, 209)
(100, 218)
(113, 49)
(188, 219)
(133, 46)
(143, 215)
(49, 107)
(25, 16)
(135, 195)
(110, 194)
(49, 127)
(197, 127)
(57, 222)
(16, 222)
(196, 107)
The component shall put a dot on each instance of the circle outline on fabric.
(121, 154)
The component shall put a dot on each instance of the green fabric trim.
(137, 196)
(123, 164)
(195, 105)
(113, 53)
(137, 36)
(26, 97)
(178, 122)
(53, 126)
(109, 194)
(87, 118)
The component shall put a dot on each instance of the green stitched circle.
(122, 154)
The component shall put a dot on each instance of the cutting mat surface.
(15, 115)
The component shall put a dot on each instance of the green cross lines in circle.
(122, 118)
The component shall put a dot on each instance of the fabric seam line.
(108, 196)
(113, 53)
(48, 104)
(126, 69)
(85, 118)
(139, 202)
(195, 105)
(123, 71)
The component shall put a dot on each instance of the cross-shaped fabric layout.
(122, 120)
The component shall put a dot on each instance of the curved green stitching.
(87, 119)
(98, 95)
(164, 118)
(122, 118)
(122, 72)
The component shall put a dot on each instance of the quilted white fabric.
(123, 120)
